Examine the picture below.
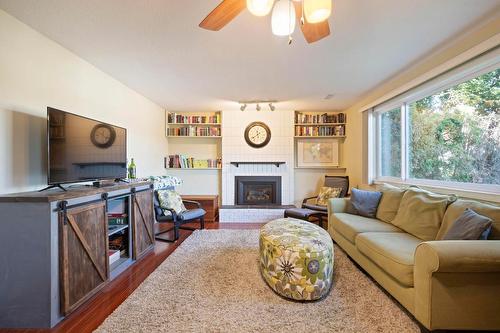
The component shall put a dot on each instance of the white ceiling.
(156, 47)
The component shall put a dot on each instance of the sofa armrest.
(458, 256)
(337, 205)
(457, 284)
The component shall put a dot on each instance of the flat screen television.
(81, 149)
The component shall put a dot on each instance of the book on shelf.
(194, 131)
(338, 130)
(186, 162)
(325, 118)
(175, 118)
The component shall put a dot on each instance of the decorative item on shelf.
(185, 162)
(317, 153)
(312, 15)
(132, 170)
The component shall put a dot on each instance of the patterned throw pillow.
(327, 193)
(171, 200)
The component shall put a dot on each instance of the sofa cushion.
(391, 251)
(469, 226)
(364, 203)
(389, 204)
(349, 225)
(458, 207)
(421, 212)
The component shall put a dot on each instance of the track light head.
(258, 108)
(243, 107)
(272, 107)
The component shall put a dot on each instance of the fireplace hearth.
(258, 190)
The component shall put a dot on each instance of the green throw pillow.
(421, 213)
(389, 204)
(327, 193)
(171, 200)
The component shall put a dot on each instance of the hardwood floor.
(91, 314)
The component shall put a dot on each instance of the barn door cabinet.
(57, 250)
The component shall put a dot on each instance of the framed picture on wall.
(317, 153)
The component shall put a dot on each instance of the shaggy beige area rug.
(212, 283)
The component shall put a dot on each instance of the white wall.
(235, 148)
(35, 72)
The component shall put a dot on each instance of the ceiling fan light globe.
(317, 11)
(283, 19)
(260, 7)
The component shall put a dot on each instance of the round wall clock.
(257, 134)
(103, 136)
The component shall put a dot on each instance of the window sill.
(490, 193)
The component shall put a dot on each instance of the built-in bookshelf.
(188, 162)
(195, 141)
(194, 125)
(320, 124)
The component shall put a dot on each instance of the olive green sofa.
(453, 285)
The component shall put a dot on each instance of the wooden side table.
(210, 204)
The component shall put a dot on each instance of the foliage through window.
(453, 135)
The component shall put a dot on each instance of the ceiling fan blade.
(226, 11)
(312, 32)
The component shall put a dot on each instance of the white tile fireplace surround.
(235, 149)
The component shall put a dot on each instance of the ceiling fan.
(312, 14)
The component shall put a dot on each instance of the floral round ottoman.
(296, 259)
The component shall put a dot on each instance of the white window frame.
(456, 76)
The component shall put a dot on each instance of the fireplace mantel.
(237, 164)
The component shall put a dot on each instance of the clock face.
(257, 135)
(103, 136)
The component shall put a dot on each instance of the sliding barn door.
(143, 222)
(84, 261)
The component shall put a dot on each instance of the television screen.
(83, 149)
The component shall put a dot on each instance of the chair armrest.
(457, 284)
(307, 199)
(458, 256)
(196, 203)
(338, 205)
(172, 211)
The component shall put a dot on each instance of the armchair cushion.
(315, 207)
(192, 214)
(170, 200)
(326, 193)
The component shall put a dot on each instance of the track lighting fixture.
(257, 103)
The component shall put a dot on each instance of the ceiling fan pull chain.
(302, 19)
(290, 39)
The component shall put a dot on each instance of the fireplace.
(258, 190)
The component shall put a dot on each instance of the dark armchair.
(178, 220)
(330, 181)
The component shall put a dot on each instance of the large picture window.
(450, 136)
